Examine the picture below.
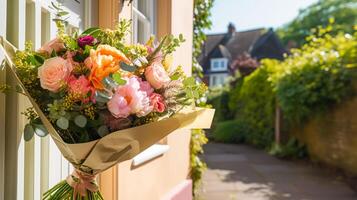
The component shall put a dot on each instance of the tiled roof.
(239, 43)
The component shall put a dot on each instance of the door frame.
(13, 150)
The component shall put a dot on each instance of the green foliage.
(292, 149)
(171, 43)
(231, 131)
(193, 90)
(118, 79)
(320, 14)
(253, 101)
(198, 139)
(316, 76)
(94, 31)
(167, 45)
(116, 37)
(309, 81)
(220, 102)
(201, 22)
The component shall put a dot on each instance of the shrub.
(316, 76)
(229, 132)
(220, 103)
(292, 149)
(308, 81)
(253, 100)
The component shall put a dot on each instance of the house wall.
(164, 177)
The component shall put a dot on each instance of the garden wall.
(331, 137)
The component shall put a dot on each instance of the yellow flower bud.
(167, 62)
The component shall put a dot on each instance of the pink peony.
(156, 75)
(53, 45)
(54, 73)
(157, 101)
(119, 106)
(81, 87)
(129, 99)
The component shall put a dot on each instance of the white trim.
(222, 64)
(218, 79)
(150, 153)
(141, 16)
(146, 17)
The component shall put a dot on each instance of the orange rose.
(105, 60)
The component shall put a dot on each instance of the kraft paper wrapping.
(98, 155)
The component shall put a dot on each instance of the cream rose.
(156, 75)
(54, 73)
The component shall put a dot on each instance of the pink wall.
(183, 191)
(165, 175)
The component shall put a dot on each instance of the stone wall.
(331, 137)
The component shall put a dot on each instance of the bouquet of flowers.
(103, 101)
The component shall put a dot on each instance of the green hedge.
(308, 81)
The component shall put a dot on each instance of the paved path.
(239, 172)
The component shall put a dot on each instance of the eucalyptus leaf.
(126, 67)
(62, 112)
(62, 123)
(101, 97)
(28, 132)
(40, 130)
(80, 120)
(103, 131)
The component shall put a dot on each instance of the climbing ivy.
(201, 21)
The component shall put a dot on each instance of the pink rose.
(54, 73)
(81, 87)
(53, 45)
(156, 75)
(157, 101)
(129, 99)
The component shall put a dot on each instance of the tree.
(343, 13)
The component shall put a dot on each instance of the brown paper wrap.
(98, 155)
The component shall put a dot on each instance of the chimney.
(229, 34)
(231, 28)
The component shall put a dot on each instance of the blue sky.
(250, 14)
